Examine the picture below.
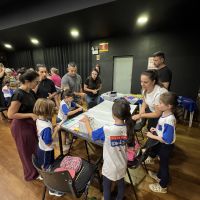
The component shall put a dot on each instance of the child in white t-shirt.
(165, 134)
(44, 108)
(68, 109)
(115, 138)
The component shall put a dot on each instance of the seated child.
(68, 109)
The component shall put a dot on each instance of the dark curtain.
(20, 59)
(58, 57)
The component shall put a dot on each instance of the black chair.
(138, 129)
(62, 182)
(138, 161)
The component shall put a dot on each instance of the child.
(67, 109)
(44, 108)
(165, 134)
(114, 149)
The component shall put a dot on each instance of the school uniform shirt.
(44, 130)
(166, 128)
(65, 108)
(114, 150)
(152, 99)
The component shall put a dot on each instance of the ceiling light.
(8, 46)
(35, 41)
(142, 20)
(74, 33)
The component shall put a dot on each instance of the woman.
(151, 91)
(55, 78)
(2, 75)
(92, 86)
(23, 126)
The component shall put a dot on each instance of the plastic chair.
(62, 182)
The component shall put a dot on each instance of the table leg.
(191, 118)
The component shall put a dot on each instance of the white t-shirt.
(152, 99)
(44, 132)
(166, 128)
(114, 150)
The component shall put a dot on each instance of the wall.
(182, 57)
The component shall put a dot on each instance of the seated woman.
(92, 86)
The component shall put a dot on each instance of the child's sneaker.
(39, 178)
(149, 161)
(157, 188)
(55, 193)
(153, 175)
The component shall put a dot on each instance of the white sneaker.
(149, 161)
(157, 188)
(57, 194)
(153, 175)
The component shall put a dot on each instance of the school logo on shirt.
(118, 140)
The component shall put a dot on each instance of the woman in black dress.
(23, 126)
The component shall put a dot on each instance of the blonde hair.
(44, 107)
(54, 70)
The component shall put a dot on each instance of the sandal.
(157, 188)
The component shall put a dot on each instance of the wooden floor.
(185, 171)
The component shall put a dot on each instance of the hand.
(136, 117)
(149, 134)
(80, 109)
(50, 96)
(94, 91)
(33, 116)
(85, 119)
(152, 129)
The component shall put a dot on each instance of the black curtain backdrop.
(58, 57)
(20, 59)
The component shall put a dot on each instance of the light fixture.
(142, 20)
(35, 41)
(8, 46)
(74, 33)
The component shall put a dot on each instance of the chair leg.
(129, 176)
(44, 193)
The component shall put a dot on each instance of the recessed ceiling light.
(35, 41)
(142, 20)
(8, 46)
(74, 33)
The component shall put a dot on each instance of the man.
(46, 87)
(164, 73)
(73, 81)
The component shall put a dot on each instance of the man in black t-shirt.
(46, 88)
(164, 73)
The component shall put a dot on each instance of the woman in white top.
(152, 90)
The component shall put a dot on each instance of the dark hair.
(28, 76)
(67, 93)
(72, 64)
(38, 66)
(152, 75)
(121, 109)
(159, 54)
(44, 107)
(21, 70)
(169, 98)
(99, 67)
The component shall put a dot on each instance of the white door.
(122, 74)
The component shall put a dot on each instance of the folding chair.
(138, 129)
(62, 182)
(139, 160)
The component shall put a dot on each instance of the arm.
(166, 84)
(88, 90)
(87, 124)
(13, 112)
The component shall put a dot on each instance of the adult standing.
(46, 87)
(23, 126)
(92, 86)
(73, 82)
(2, 75)
(151, 91)
(164, 73)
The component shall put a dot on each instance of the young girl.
(165, 134)
(67, 109)
(114, 149)
(44, 108)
